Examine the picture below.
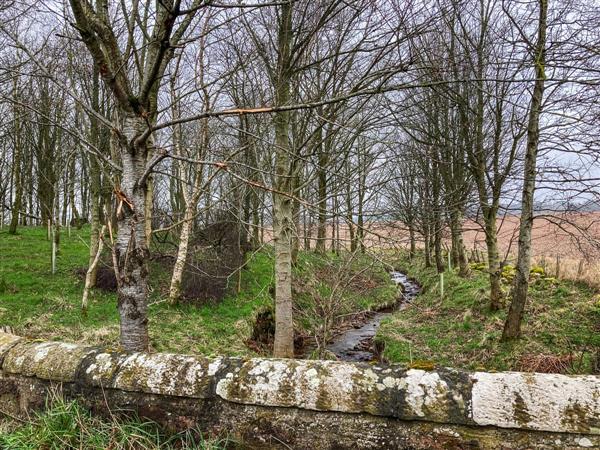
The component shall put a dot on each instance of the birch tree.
(135, 93)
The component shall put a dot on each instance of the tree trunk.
(334, 225)
(322, 199)
(184, 239)
(148, 207)
(437, 221)
(55, 245)
(182, 251)
(75, 212)
(307, 227)
(427, 237)
(296, 219)
(95, 219)
(512, 326)
(284, 326)
(413, 243)
(256, 222)
(350, 219)
(131, 245)
(84, 188)
(90, 276)
(493, 263)
(95, 183)
(17, 175)
(17, 203)
(360, 218)
(458, 246)
(437, 244)
(189, 199)
(283, 226)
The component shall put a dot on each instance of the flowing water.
(356, 344)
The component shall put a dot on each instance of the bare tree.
(512, 326)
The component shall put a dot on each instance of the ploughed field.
(572, 237)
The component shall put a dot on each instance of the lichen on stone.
(163, 373)
(7, 341)
(47, 360)
(546, 402)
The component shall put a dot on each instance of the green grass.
(460, 330)
(65, 425)
(41, 305)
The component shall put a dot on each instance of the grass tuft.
(66, 425)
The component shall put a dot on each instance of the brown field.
(566, 246)
(567, 242)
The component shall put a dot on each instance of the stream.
(356, 344)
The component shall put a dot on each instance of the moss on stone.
(422, 365)
(575, 416)
(521, 413)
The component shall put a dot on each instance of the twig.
(12, 417)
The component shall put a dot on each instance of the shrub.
(537, 270)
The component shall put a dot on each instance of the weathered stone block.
(7, 341)
(537, 401)
(55, 361)
(168, 374)
(349, 387)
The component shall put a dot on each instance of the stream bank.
(356, 343)
(559, 332)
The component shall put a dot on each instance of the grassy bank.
(560, 331)
(41, 305)
(65, 425)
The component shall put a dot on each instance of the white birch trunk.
(90, 274)
(184, 240)
(131, 245)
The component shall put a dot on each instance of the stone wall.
(275, 403)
